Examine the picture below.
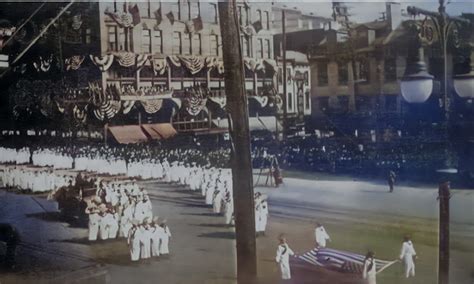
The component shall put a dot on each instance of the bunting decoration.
(107, 110)
(44, 64)
(262, 100)
(126, 59)
(213, 62)
(193, 63)
(254, 65)
(152, 106)
(158, 17)
(103, 62)
(189, 27)
(74, 62)
(197, 23)
(61, 108)
(221, 101)
(124, 20)
(272, 64)
(142, 59)
(135, 12)
(159, 65)
(196, 100)
(127, 106)
(174, 60)
(170, 17)
(80, 115)
(248, 30)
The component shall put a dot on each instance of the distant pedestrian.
(283, 254)
(369, 272)
(321, 236)
(391, 180)
(407, 255)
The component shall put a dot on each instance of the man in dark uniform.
(391, 180)
(10, 236)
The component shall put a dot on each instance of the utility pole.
(283, 47)
(237, 109)
(443, 266)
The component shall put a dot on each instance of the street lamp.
(464, 83)
(416, 86)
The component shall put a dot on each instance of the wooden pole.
(443, 258)
(237, 109)
(285, 79)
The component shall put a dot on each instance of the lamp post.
(416, 87)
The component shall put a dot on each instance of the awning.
(255, 123)
(160, 130)
(128, 134)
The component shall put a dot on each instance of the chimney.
(394, 14)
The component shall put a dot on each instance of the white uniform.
(283, 254)
(217, 201)
(369, 272)
(228, 210)
(94, 220)
(321, 236)
(145, 242)
(164, 247)
(406, 255)
(134, 243)
(157, 233)
(263, 216)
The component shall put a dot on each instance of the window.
(146, 41)
(268, 50)
(343, 73)
(322, 74)
(260, 48)
(209, 12)
(266, 20)
(390, 69)
(112, 38)
(307, 100)
(196, 44)
(87, 36)
(259, 16)
(214, 48)
(280, 76)
(289, 99)
(362, 73)
(158, 41)
(193, 9)
(121, 39)
(145, 10)
(244, 42)
(177, 44)
(187, 44)
(243, 15)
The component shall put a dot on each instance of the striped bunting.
(338, 260)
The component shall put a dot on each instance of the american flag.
(337, 260)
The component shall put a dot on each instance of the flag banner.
(257, 26)
(197, 23)
(170, 17)
(189, 27)
(124, 20)
(196, 100)
(338, 260)
(158, 16)
(135, 12)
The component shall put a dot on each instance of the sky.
(369, 10)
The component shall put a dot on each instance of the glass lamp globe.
(464, 85)
(417, 83)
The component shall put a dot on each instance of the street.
(358, 216)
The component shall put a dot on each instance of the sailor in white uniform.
(164, 247)
(283, 254)
(321, 236)
(369, 272)
(407, 255)
(93, 211)
(133, 241)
